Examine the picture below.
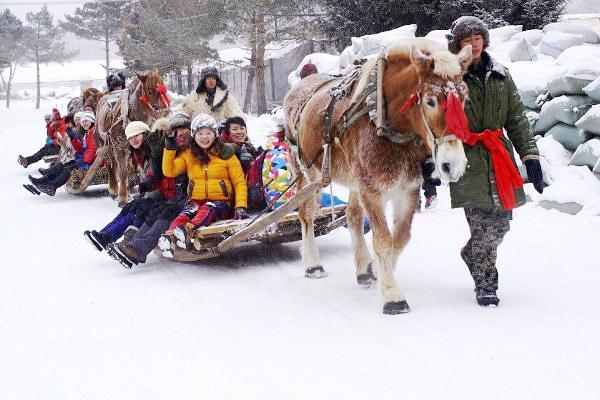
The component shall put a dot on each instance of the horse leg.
(123, 178)
(394, 301)
(404, 204)
(112, 177)
(362, 258)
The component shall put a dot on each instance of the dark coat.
(492, 104)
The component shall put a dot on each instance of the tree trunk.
(190, 78)
(261, 97)
(179, 80)
(250, 81)
(107, 49)
(37, 68)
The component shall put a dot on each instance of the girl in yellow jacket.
(219, 189)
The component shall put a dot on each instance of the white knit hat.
(204, 121)
(87, 116)
(135, 128)
(78, 115)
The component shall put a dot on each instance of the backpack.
(256, 195)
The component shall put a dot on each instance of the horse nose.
(446, 168)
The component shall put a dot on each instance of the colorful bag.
(256, 195)
(277, 173)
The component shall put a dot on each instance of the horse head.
(424, 89)
(91, 97)
(152, 93)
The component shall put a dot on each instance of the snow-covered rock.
(566, 109)
(553, 155)
(590, 122)
(568, 135)
(593, 89)
(582, 54)
(554, 43)
(572, 78)
(531, 78)
(533, 36)
(588, 34)
(503, 34)
(521, 50)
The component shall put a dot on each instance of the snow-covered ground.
(75, 325)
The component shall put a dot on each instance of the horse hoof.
(368, 278)
(396, 307)
(317, 272)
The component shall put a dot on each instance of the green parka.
(493, 104)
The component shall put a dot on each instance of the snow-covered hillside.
(75, 325)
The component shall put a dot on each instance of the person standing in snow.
(489, 189)
(212, 97)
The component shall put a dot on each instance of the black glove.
(170, 143)
(145, 186)
(427, 170)
(240, 213)
(534, 174)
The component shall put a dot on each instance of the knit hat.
(464, 27)
(204, 121)
(78, 115)
(308, 69)
(87, 116)
(135, 128)
(47, 116)
(180, 119)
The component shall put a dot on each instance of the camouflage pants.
(488, 227)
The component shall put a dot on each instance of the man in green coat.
(493, 107)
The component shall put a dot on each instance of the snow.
(249, 325)
(71, 71)
(325, 63)
(573, 184)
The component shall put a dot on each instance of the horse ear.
(465, 56)
(141, 77)
(420, 60)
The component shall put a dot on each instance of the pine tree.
(256, 23)
(97, 21)
(169, 35)
(44, 44)
(11, 54)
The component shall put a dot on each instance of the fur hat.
(466, 26)
(180, 119)
(135, 128)
(205, 73)
(87, 116)
(115, 80)
(204, 121)
(308, 69)
(160, 125)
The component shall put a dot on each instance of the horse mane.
(90, 92)
(445, 64)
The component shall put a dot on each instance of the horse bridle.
(144, 100)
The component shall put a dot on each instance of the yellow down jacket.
(221, 179)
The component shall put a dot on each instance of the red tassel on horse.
(162, 90)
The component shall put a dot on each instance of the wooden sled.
(50, 159)
(97, 174)
(279, 226)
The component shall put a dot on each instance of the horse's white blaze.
(450, 160)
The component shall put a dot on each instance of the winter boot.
(165, 244)
(129, 233)
(111, 250)
(430, 202)
(128, 252)
(35, 181)
(23, 161)
(99, 240)
(43, 171)
(184, 235)
(486, 297)
(47, 188)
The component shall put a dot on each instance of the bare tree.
(11, 54)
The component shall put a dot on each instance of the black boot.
(47, 188)
(35, 181)
(43, 171)
(486, 297)
(99, 240)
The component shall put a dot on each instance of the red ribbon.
(162, 92)
(411, 100)
(507, 176)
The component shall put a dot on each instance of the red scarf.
(507, 177)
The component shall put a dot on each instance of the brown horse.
(419, 76)
(89, 98)
(145, 100)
